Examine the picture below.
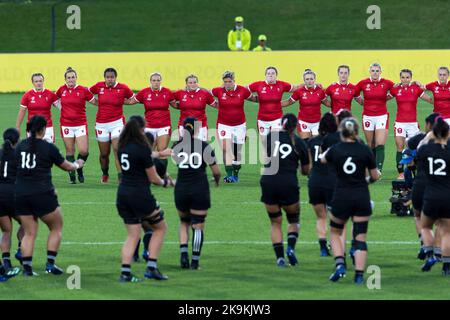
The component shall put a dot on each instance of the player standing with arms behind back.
(73, 121)
(434, 158)
(441, 93)
(192, 195)
(35, 195)
(279, 185)
(109, 119)
(38, 101)
(351, 199)
(342, 92)
(375, 114)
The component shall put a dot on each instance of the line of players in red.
(229, 98)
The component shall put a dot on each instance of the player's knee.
(359, 245)
(293, 218)
(360, 228)
(155, 218)
(197, 219)
(275, 217)
(335, 225)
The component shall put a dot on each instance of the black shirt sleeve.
(329, 155)
(209, 155)
(147, 158)
(55, 156)
(302, 151)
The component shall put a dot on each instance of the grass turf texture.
(237, 259)
(176, 25)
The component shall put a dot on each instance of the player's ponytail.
(189, 127)
(36, 125)
(10, 138)
(327, 124)
(307, 72)
(289, 123)
(133, 132)
(349, 129)
(440, 128)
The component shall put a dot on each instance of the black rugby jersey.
(8, 168)
(134, 160)
(350, 160)
(322, 175)
(435, 160)
(191, 156)
(34, 165)
(412, 144)
(285, 153)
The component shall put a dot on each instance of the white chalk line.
(164, 202)
(108, 243)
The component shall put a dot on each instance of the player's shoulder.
(431, 85)
(316, 140)
(121, 85)
(216, 90)
(363, 81)
(100, 84)
(387, 81)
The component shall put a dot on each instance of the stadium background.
(238, 260)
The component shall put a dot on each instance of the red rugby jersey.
(73, 105)
(406, 97)
(375, 95)
(39, 103)
(110, 101)
(156, 103)
(441, 95)
(269, 96)
(193, 104)
(341, 96)
(309, 100)
(231, 104)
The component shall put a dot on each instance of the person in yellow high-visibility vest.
(262, 44)
(239, 38)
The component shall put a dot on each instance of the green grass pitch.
(237, 259)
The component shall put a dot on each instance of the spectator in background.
(239, 38)
(262, 44)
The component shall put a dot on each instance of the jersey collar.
(371, 80)
(270, 84)
(195, 91)
(234, 89)
(43, 89)
(160, 88)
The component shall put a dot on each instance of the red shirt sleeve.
(295, 95)
(358, 88)
(254, 86)
(322, 94)
(59, 92)
(430, 86)
(328, 91)
(94, 89)
(215, 92)
(24, 100)
(176, 95)
(246, 93)
(171, 95)
(209, 98)
(88, 96)
(390, 84)
(140, 96)
(53, 97)
(286, 86)
(128, 92)
(394, 91)
(419, 91)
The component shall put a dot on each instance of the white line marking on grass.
(108, 243)
(164, 202)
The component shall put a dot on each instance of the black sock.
(19, 245)
(152, 264)
(197, 243)
(105, 171)
(359, 272)
(146, 239)
(51, 256)
(428, 251)
(27, 263)
(6, 259)
(339, 260)
(236, 168)
(136, 251)
(126, 270)
(421, 241)
(437, 252)
(2, 269)
(292, 239)
(84, 158)
(323, 243)
(398, 157)
(279, 250)
(445, 262)
(71, 159)
(184, 248)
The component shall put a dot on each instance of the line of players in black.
(338, 163)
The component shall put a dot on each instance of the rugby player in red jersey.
(375, 115)
(231, 126)
(192, 103)
(270, 92)
(441, 93)
(38, 101)
(309, 96)
(109, 119)
(73, 120)
(341, 93)
(406, 94)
